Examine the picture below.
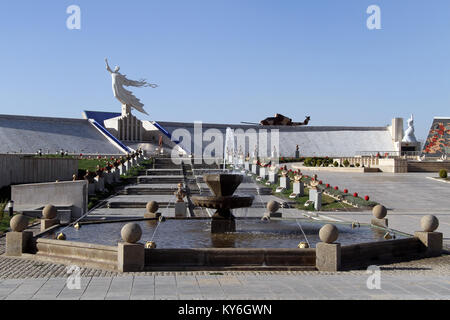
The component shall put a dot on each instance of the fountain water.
(223, 187)
(229, 149)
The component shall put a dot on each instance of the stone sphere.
(273, 206)
(131, 232)
(328, 233)
(429, 223)
(49, 212)
(152, 207)
(379, 211)
(18, 223)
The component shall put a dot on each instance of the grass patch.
(4, 218)
(91, 164)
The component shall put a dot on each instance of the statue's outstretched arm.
(107, 66)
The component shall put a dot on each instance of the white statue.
(409, 133)
(124, 96)
(274, 152)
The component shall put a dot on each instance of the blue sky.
(231, 61)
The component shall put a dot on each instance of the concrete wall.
(26, 169)
(23, 134)
(428, 166)
(78, 253)
(312, 140)
(373, 253)
(67, 193)
(394, 165)
(179, 259)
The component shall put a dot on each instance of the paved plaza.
(408, 197)
(235, 285)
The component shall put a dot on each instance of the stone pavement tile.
(143, 288)
(210, 287)
(188, 288)
(120, 288)
(265, 287)
(51, 289)
(274, 286)
(417, 287)
(97, 289)
(9, 285)
(311, 288)
(165, 288)
(74, 294)
(233, 288)
(26, 289)
(399, 291)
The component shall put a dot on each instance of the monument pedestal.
(130, 257)
(316, 196)
(17, 242)
(180, 209)
(263, 172)
(432, 241)
(91, 189)
(298, 189)
(273, 177)
(116, 175)
(285, 182)
(126, 127)
(99, 184)
(379, 222)
(47, 223)
(328, 256)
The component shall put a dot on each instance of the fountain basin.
(223, 184)
(226, 202)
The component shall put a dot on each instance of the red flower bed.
(345, 191)
(366, 198)
(336, 188)
(355, 194)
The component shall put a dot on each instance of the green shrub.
(346, 163)
(357, 164)
(443, 173)
(336, 164)
(319, 163)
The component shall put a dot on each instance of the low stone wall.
(77, 253)
(374, 253)
(182, 259)
(428, 166)
(65, 193)
(326, 257)
(16, 168)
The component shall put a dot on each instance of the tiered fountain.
(223, 187)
